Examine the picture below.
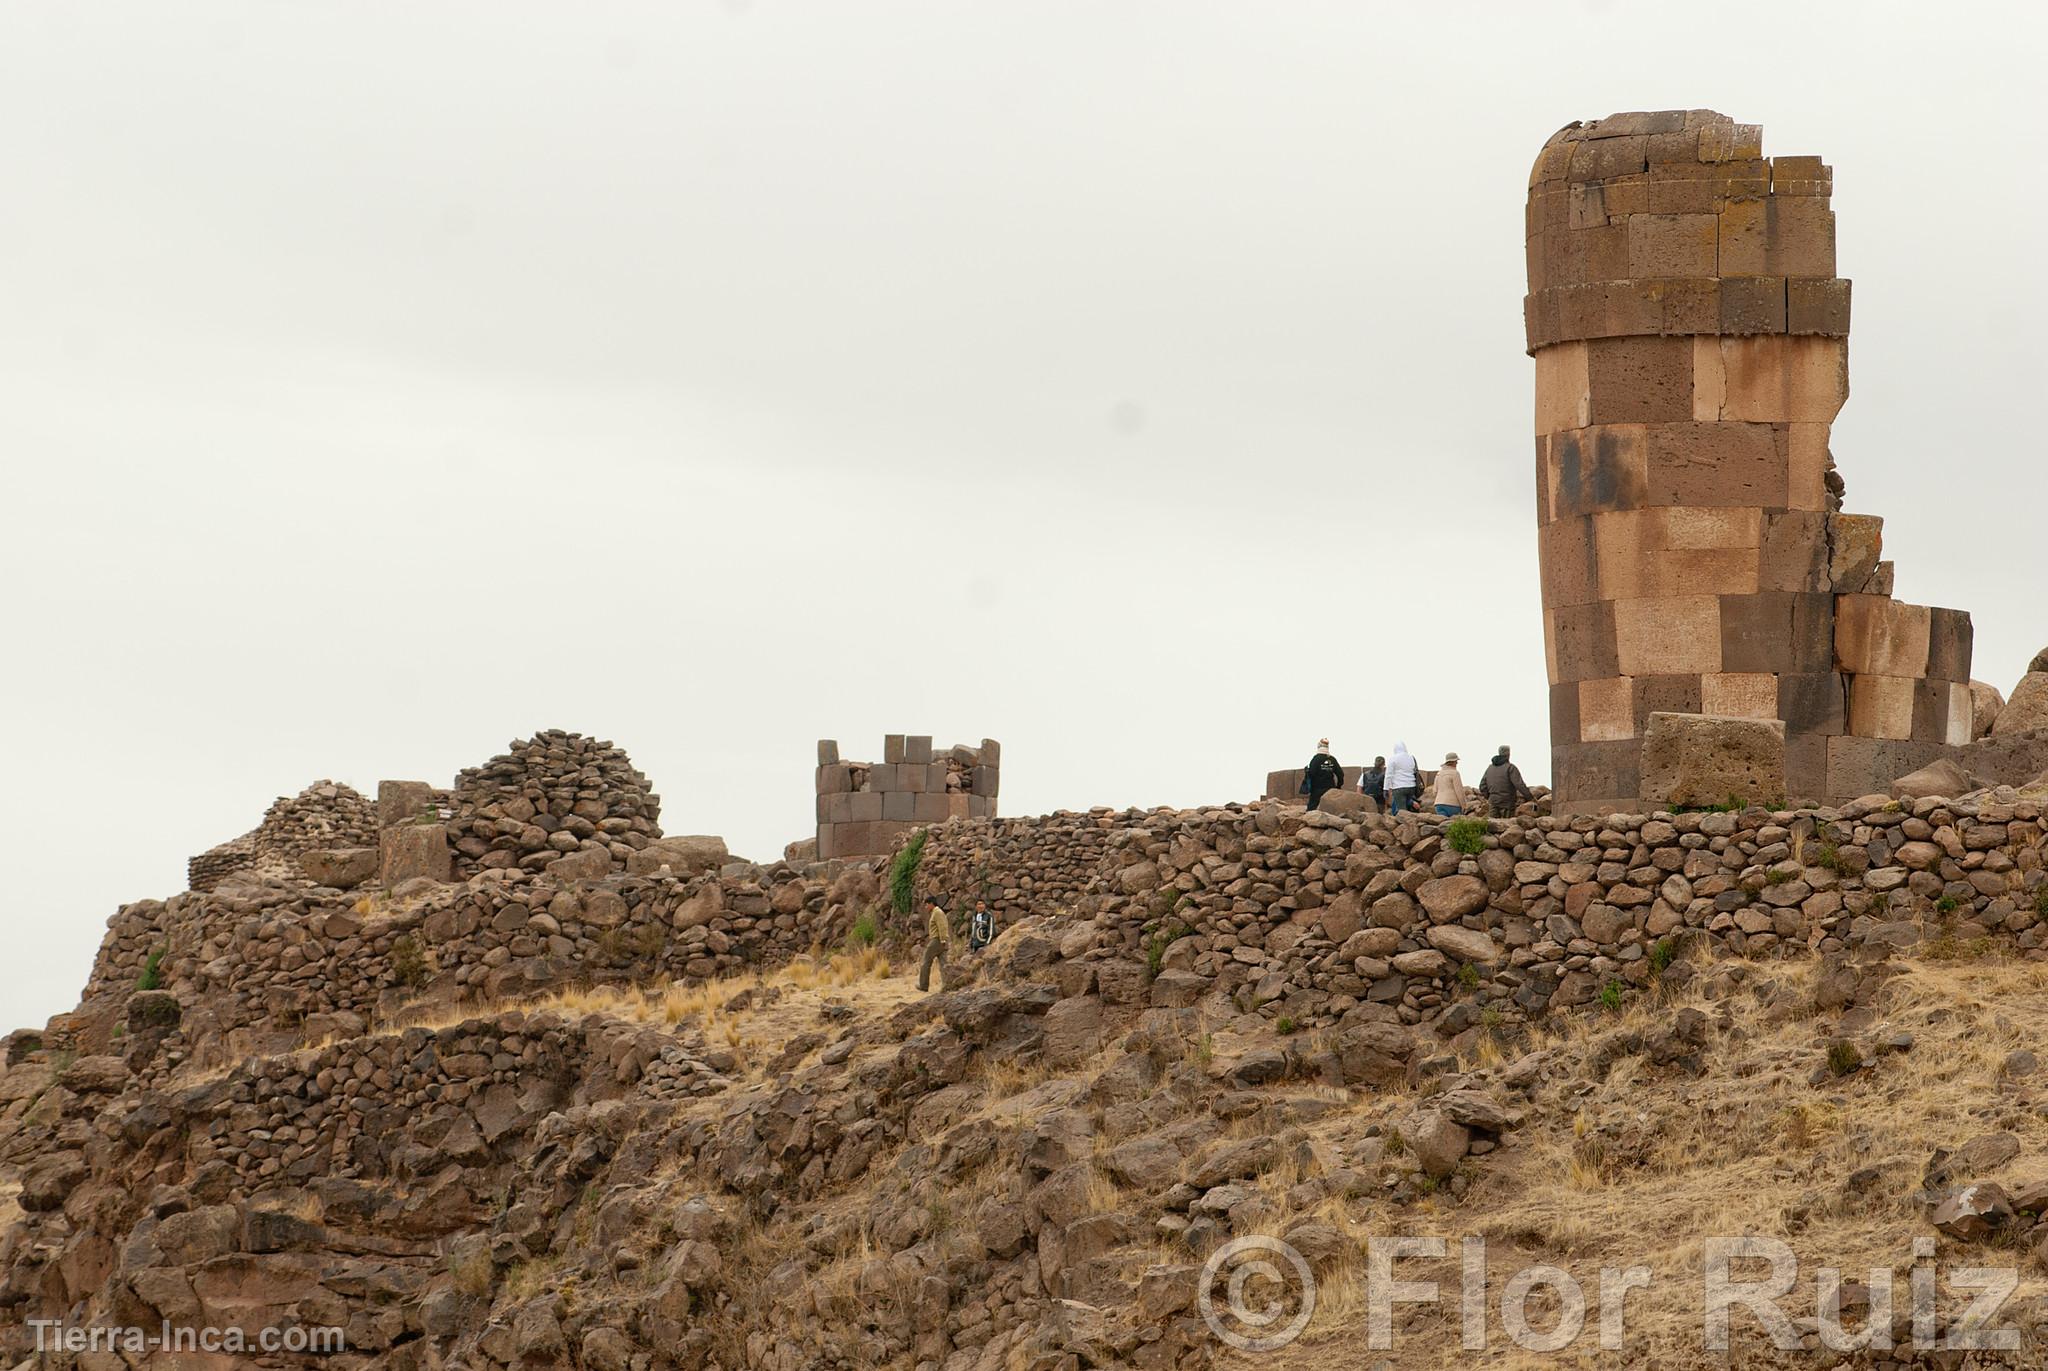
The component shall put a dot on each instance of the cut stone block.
(1639, 380)
(1606, 710)
(828, 752)
(1858, 543)
(403, 802)
(1700, 759)
(406, 851)
(1695, 463)
(1663, 637)
(917, 751)
(1740, 695)
(1881, 706)
(1780, 379)
(1579, 641)
(1878, 636)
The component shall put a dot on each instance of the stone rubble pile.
(325, 815)
(554, 794)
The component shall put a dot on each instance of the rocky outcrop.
(553, 794)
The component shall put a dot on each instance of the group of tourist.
(1395, 784)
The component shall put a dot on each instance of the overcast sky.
(1138, 383)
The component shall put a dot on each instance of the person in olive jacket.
(1323, 773)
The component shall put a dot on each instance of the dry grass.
(1646, 1166)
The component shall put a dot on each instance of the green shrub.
(1663, 953)
(408, 961)
(864, 931)
(2041, 901)
(1468, 976)
(903, 873)
(1284, 1024)
(152, 977)
(1610, 996)
(1466, 835)
(1155, 950)
(1828, 857)
(1843, 1057)
(1779, 875)
(1947, 904)
(1490, 1017)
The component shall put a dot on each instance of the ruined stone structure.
(326, 814)
(865, 807)
(1691, 346)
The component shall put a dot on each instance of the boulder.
(2027, 710)
(2040, 662)
(1703, 759)
(1985, 702)
(404, 802)
(584, 864)
(1974, 1212)
(1073, 1030)
(1464, 944)
(343, 868)
(1450, 898)
(1348, 803)
(684, 855)
(1435, 1141)
(1944, 776)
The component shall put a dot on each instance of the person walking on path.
(1450, 787)
(1502, 785)
(1372, 783)
(938, 942)
(1323, 774)
(1404, 780)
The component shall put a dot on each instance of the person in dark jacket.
(1323, 773)
(1502, 785)
(1372, 783)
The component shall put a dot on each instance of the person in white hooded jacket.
(1404, 780)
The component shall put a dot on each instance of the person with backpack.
(1404, 780)
(981, 930)
(1372, 783)
(1502, 785)
(1322, 775)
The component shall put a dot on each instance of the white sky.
(1138, 383)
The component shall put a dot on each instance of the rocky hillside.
(672, 1117)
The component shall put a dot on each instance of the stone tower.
(1691, 346)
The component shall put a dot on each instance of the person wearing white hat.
(1450, 787)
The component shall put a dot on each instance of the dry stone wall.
(1325, 919)
(1691, 346)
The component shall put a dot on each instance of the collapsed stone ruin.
(868, 807)
(1691, 346)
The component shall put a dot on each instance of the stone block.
(1563, 399)
(1868, 766)
(1740, 695)
(1579, 640)
(899, 805)
(1639, 380)
(406, 851)
(1600, 771)
(1598, 254)
(1664, 695)
(1564, 711)
(1857, 545)
(1688, 188)
(1602, 158)
(1752, 304)
(1795, 552)
(957, 806)
(864, 806)
(1692, 528)
(991, 753)
(1698, 759)
(883, 777)
(1777, 632)
(917, 751)
(1678, 635)
(1806, 768)
(1950, 640)
(341, 868)
(1567, 553)
(1706, 464)
(1777, 236)
(1801, 176)
(1814, 703)
(828, 752)
(984, 780)
(1690, 306)
(834, 778)
(1606, 710)
(913, 778)
(1817, 305)
(981, 807)
(935, 776)
(1780, 378)
(1595, 470)
(403, 802)
(1671, 245)
(892, 748)
(1942, 712)
(1878, 636)
(1881, 706)
(931, 807)
(1807, 462)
